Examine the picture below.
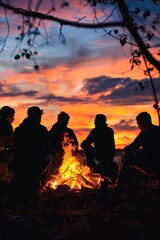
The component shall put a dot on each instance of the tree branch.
(43, 16)
(133, 30)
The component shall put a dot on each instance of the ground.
(131, 213)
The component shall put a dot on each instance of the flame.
(73, 173)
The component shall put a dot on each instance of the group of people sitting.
(31, 152)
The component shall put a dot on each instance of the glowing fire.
(74, 174)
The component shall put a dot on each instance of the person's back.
(151, 140)
(103, 149)
(143, 152)
(32, 148)
(6, 142)
(103, 141)
(31, 145)
(57, 134)
(147, 145)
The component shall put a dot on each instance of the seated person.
(99, 147)
(57, 135)
(143, 152)
(6, 143)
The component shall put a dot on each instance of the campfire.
(74, 173)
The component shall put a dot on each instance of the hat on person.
(101, 118)
(34, 110)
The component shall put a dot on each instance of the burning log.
(89, 183)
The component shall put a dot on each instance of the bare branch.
(43, 16)
(8, 29)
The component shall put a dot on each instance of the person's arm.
(89, 140)
(6, 136)
(75, 143)
(135, 145)
(46, 141)
(113, 144)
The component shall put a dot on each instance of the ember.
(73, 173)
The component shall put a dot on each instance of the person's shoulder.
(54, 127)
(19, 127)
(43, 127)
(70, 130)
(23, 124)
(109, 129)
(93, 130)
(153, 128)
(156, 127)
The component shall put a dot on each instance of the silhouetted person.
(32, 152)
(6, 142)
(99, 147)
(143, 152)
(57, 135)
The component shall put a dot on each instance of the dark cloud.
(52, 98)
(125, 125)
(124, 100)
(12, 91)
(102, 84)
(123, 91)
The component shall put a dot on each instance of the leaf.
(136, 10)
(136, 53)
(141, 28)
(122, 42)
(150, 35)
(156, 106)
(146, 13)
(65, 4)
(116, 31)
(28, 55)
(150, 69)
(36, 67)
(137, 62)
(123, 39)
(17, 57)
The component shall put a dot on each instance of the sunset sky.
(82, 72)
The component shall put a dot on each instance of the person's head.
(63, 118)
(35, 113)
(144, 120)
(100, 120)
(7, 113)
